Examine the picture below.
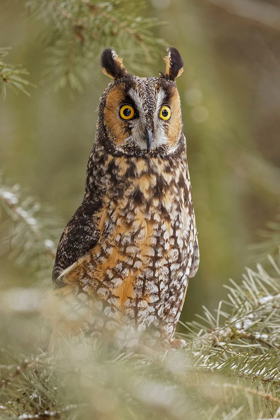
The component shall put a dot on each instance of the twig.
(250, 336)
(67, 15)
(71, 56)
(112, 19)
(209, 370)
(261, 394)
(79, 22)
(55, 414)
(96, 9)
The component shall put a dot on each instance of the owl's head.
(140, 116)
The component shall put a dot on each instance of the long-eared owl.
(125, 257)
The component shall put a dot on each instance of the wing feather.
(79, 236)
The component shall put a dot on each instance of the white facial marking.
(138, 125)
(137, 100)
(159, 131)
(160, 98)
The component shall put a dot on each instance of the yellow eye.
(127, 112)
(165, 113)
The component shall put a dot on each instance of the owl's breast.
(142, 262)
(138, 271)
(146, 223)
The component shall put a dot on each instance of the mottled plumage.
(124, 259)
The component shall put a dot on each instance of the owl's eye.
(127, 112)
(165, 113)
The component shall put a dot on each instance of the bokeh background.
(230, 93)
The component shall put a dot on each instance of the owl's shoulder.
(79, 236)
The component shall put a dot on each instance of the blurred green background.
(230, 93)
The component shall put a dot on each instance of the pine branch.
(245, 338)
(265, 395)
(127, 386)
(18, 371)
(118, 23)
(11, 76)
(55, 414)
(29, 233)
(231, 364)
(77, 30)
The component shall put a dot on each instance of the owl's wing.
(79, 236)
(196, 254)
(195, 257)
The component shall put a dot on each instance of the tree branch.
(10, 200)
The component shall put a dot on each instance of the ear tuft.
(112, 64)
(174, 64)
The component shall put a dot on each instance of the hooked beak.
(149, 139)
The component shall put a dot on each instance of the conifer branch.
(18, 371)
(54, 414)
(244, 336)
(11, 203)
(11, 76)
(119, 24)
(192, 383)
(77, 30)
(28, 234)
(261, 394)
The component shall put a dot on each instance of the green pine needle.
(12, 76)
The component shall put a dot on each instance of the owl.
(124, 259)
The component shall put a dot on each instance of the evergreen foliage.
(12, 76)
(28, 232)
(230, 368)
(76, 31)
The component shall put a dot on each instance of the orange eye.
(127, 112)
(165, 113)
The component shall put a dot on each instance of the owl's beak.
(149, 139)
